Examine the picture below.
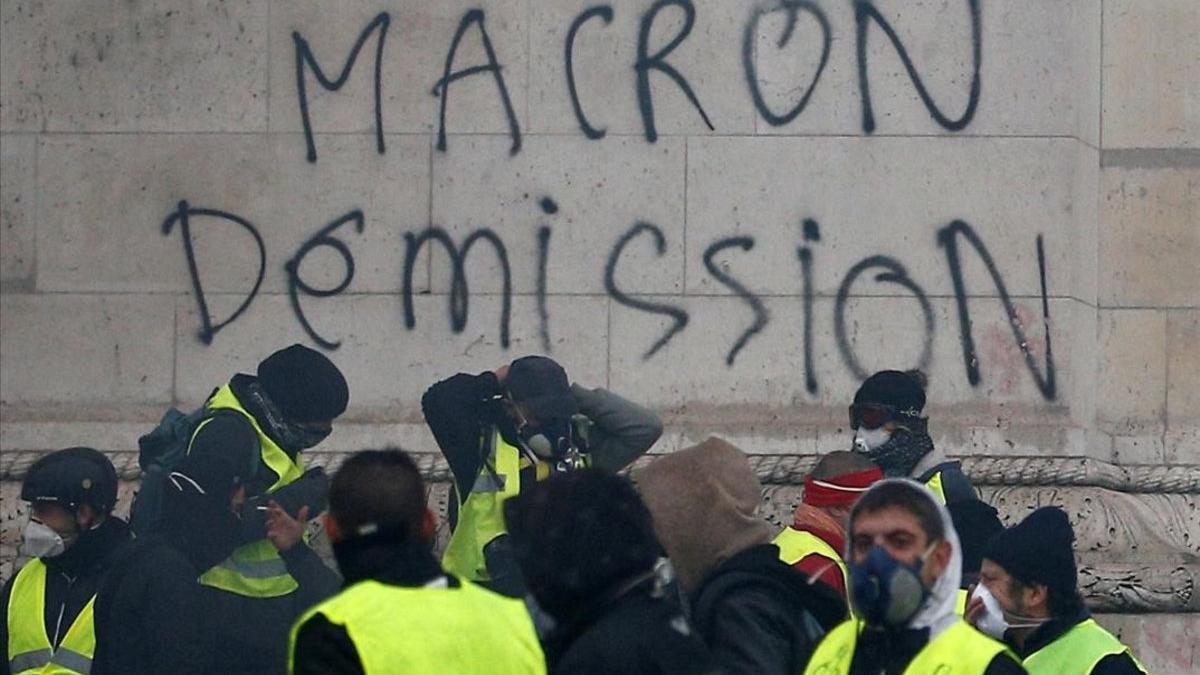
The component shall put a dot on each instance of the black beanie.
(1037, 550)
(305, 384)
(904, 391)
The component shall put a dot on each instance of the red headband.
(841, 490)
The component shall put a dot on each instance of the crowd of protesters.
(563, 557)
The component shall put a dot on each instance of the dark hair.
(378, 492)
(840, 463)
(905, 496)
(1061, 603)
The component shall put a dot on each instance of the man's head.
(837, 481)
(307, 387)
(69, 492)
(1030, 568)
(202, 501)
(902, 550)
(886, 401)
(577, 536)
(379, 494)
(539, 401)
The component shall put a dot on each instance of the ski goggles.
(875, 415)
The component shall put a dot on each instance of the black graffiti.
(460, 294)
(442, 88)
(947, 238)
(896, 274)
(610, 285)
(605, 12)
(761, 316)
(793, 9)
(812, 233)
(182, 215)
(646, 63)
(864, 12)
(304, 55)
(297, 285)
(549, 207)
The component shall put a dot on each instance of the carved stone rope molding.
(790, 470)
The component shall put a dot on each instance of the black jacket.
(72, 578)
(758, 615)
(232, 438)
(323, 648)
(886, 652)
(463, 410)
(150, 616)
(640, 632)
(1117, 664)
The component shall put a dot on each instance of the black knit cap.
(539, 383)
(903, 391)
(72, 477)
(1037, 550)
(305, 384)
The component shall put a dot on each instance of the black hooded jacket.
(72, 578)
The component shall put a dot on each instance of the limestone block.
(121, 66)
(890, 196)
(106, 234)
(1132, 370)
(604, 58)
(87, 349)
(1037, 75)
(1139, 448)
(388, 366)
(1182, 445)
(18, 220)
(1183, 367)
(1164, 643)
(599, 190)
(1149, 237)
(418, 40)
(1151, 65)
(44, 436)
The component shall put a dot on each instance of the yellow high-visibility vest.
(401, 629)
(796, 545)
(958, 650)
(935, 485)
(1077, 651)
(255, 569)
(481, 515)
(29, 648)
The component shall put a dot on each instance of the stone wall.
(730, 211)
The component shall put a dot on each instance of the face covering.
(39, 541)
(866, 440)
(290, 436)
(547, 441)
(885, 591)
(995, 621)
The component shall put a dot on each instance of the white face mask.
(39, 541)
(995, 621)
(866, 440)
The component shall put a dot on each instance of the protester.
(151, 612)
(756, 614)
(47, 623)
(812, 545)
(889, 429)
(263, 423)
(904, 575)
(1028, 596)
(586, 545)
(399, 612)
(502, 431)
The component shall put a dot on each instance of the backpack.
(159, 452)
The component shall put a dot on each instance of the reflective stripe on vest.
(29, 648)
(254, 570)
(1077, 651)
(935, 484)
(401, 629)
(481, 516)
(796, 545)
(959, 650)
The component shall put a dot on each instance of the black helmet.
(72, 477)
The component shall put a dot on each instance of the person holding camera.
(506, 429)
